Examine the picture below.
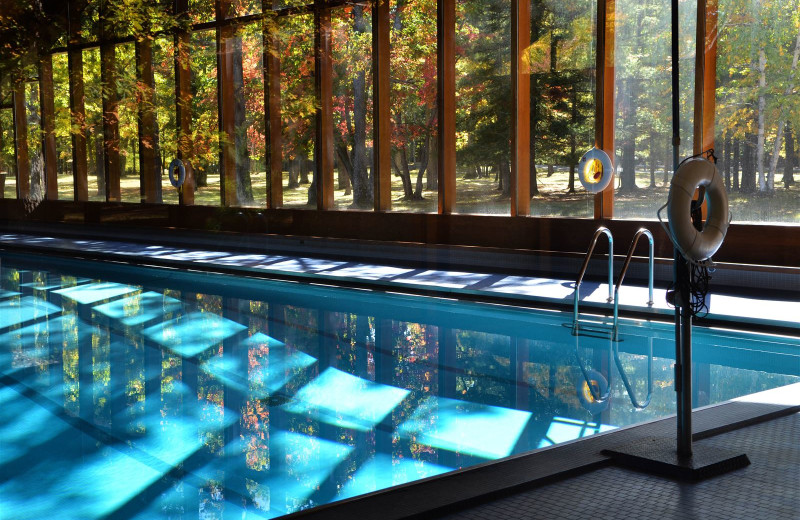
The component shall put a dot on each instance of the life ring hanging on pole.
(696, 245)
(177, 173)
(595, 170)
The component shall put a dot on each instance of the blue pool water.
(152, 393)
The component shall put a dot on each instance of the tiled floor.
(763, 310)
(767, 489)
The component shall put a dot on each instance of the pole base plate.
(659, 456)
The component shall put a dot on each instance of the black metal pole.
(681, 278)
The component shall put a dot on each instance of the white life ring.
(595, 170)
(697, 245)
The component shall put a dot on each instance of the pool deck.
(765, 310)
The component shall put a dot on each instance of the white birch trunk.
(762, 84)
(773, 164)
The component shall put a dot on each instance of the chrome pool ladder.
(600, 231)
(615, 298)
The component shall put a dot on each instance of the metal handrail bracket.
(600, 231)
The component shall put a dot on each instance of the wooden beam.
(47, 103)
(521, 114)
(21, 142)
(381, 109)
(323, 87)
(272, 109)
(150, 177)
(108, 79)
(183, 103)
(227, 106)
(705, 76)
(446, 103)
(604, 126)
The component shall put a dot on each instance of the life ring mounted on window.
(595, 170)
(695, 245)
(177, 173)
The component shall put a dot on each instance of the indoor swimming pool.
(142, 393)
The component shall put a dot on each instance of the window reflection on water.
(124, 398)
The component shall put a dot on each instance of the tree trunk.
(628, 174)
(763, 182)
(791, 158)
(726, 159)
(294, 172)
(432, 179)
(244, 186)
(344, 168)
(737, 163)
(787, 94)
(504, 172)
(400, 164)
(100, 167)
(423, 165)
(306, 165)
(652, 160)
(748, 184)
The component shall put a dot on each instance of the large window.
(475, 107)
(758, 108)
(643, 110)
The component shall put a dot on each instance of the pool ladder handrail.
(615, 325)
(635, 402)
(601, 230)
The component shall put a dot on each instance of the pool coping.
(488, 287)
(473, 485)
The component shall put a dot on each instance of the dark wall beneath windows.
(759, 245)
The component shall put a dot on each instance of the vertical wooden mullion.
(21, 142)
(108, 78)
(705, 75)
(183, 103)
(47, 102)
(272, 107)
(226, 106)
(382, 166)
(604, 126)
(150, 181)
(521, 113)
(323, 83)
(446, 103)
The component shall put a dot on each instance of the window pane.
(205, 127)
(128, 122)
(8, 157)
(166, 116)
(34, 140)
(643, 89)
(296, 54)
(562, 65)
(93, 104)
(758, 108)
(483, 106)
(351, 44)
(413, 106)
(201, 11)
(250, 139)
(63, 126)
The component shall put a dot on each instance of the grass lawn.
(480, 196)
